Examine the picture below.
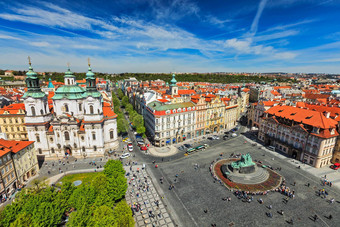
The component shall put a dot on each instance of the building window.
(40, 151)
(95, 148)
(80, 107)
(51, 139)
(75, 145)
(93, 136)
(111, 134)
(91, 109)
(37, 138)
(10, 166)
(83, 148)
(52, 150)
(66, 108)
(33, 110)
(67, 136)
(82, 138)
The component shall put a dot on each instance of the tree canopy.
(99, 203)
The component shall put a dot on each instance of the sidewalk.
(332, 175)
(163, 151)
(148, 206)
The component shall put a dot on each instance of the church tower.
(173, 86)
(93, 98)
(38, 115)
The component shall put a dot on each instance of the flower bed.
(273, 181)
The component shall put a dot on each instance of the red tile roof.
(12, 146)
(13, 108)
(308, 117)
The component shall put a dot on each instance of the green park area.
(98, 201)
(83, 177)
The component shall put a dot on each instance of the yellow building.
(215, 110)
(12, 120)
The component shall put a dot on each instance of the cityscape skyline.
(172, 36)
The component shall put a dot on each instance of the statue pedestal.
(247, 169)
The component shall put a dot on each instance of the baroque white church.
(79, 123)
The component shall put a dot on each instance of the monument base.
(247, 169)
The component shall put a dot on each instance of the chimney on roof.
(326, 114)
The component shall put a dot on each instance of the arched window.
(67, 136)
(95, 148)
(75, 145)
(58, 145)
(52, 150)
(83, 148)
(80, 107)
(37, 138)
(51, 139)
(33, 110)
(94, 136)
(111, 134)
(66, 108)
(91, 109)
(40, 151)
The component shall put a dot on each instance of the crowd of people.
(138, 186)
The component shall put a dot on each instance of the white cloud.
(2, 36)
(40, 44)
(254, 25)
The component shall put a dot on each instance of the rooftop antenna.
(29, 60)
(88, 62)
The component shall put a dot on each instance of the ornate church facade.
(77, 122)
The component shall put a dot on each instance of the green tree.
(80, 217)
(102, 216)
(22, 219)
(113, 168)
(129, 108)
(121, 125)
(138, 120)
(123, 215)
(125, 101)
(141, 130)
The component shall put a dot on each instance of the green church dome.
(69, 92)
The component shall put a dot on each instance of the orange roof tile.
(13, 108)
(14, 146)
(308, 117)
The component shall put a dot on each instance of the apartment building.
(170, 123)
(12, 121)
(305, 135)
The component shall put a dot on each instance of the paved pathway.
(139, 182)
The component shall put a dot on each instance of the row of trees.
(122, 124)
(135, 118)
(212, 78)
(99, 203)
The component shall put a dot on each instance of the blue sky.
(172, 36)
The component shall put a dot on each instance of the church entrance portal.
(68, 151)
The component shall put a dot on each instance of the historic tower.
(38, 114)
(173, 86)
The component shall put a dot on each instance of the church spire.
(32, 83)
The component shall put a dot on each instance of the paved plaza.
(197, 197)
(147, 204)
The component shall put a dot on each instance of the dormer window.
(332, 131)
(316, 130)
